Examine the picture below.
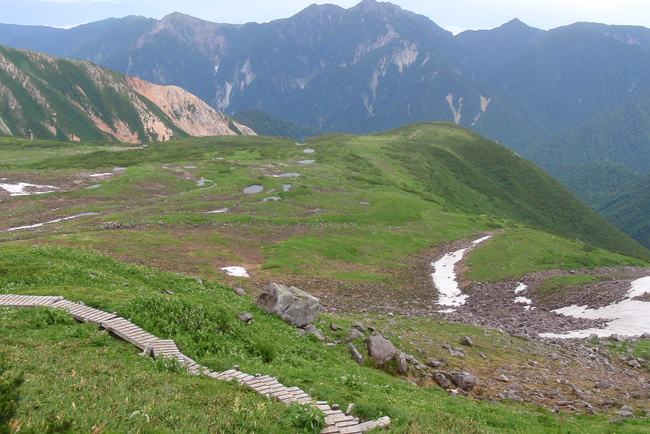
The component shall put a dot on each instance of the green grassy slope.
(98, 383)
(266, 125)
(57, 99)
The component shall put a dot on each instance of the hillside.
(43, 97)
(628, 208)
(266, 125)
(356, 220)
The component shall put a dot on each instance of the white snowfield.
(236, 271)
(627, 317)
(19, 189)
(444, 277)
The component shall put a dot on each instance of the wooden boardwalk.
(337, 421)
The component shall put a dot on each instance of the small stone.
(401, 362)
(358, 326)
(465, 340)
(350, 408)
(312, 329)
(200, 281)
(509, 394)
(441, 379)
(336, 407)
(434, 363)
(356, 355)
(624, 414)
(236, 367)
(335, 327)
(239, 291)
(627, 408)
(245, 317)
(354, 334)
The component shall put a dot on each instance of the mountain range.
(564, 98)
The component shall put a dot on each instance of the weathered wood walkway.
(337, 421)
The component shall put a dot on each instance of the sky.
(454, 16)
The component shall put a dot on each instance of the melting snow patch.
(92, 187)
(306, 161)
(286, 187)
(520, 288)
(444, 277)
(190, 167)
(119, 169)
(288, 175)
(273, 198)
(236, 271)
(308, 151)
(218, 211)
(19, 189)
(51, 221)
(627, 317)
(102, 174)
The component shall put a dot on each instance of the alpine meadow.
(329, 223)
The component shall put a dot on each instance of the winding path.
(336, 420)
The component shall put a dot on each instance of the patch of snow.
(190, 167)
(449, 310)
(628, 317)
(523, 300)
(444, 277)
(218, 211)
(92, 187)
(308, 151)
(273, 198)
(288, 175)
(306, 161)
(520, 288)
(236, 271)
(119, 169)
(286, 187)
(19, 189)
(51, 221)
(102, 174)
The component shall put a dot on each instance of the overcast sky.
(455, 16)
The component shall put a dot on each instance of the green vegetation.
(103, 383)
(521, 251)
(266, 125)
(357, 225)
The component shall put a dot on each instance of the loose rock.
(356, 355)
(245, 317)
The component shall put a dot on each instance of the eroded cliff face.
(188, 112)
(44, 97)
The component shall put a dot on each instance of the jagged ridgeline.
(44, 97)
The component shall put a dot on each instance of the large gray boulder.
(465, 380)
(290, 303)
(380, 349)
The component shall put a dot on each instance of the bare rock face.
(356, 355)
(293, 305)
(400, 358)
(380, 349)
